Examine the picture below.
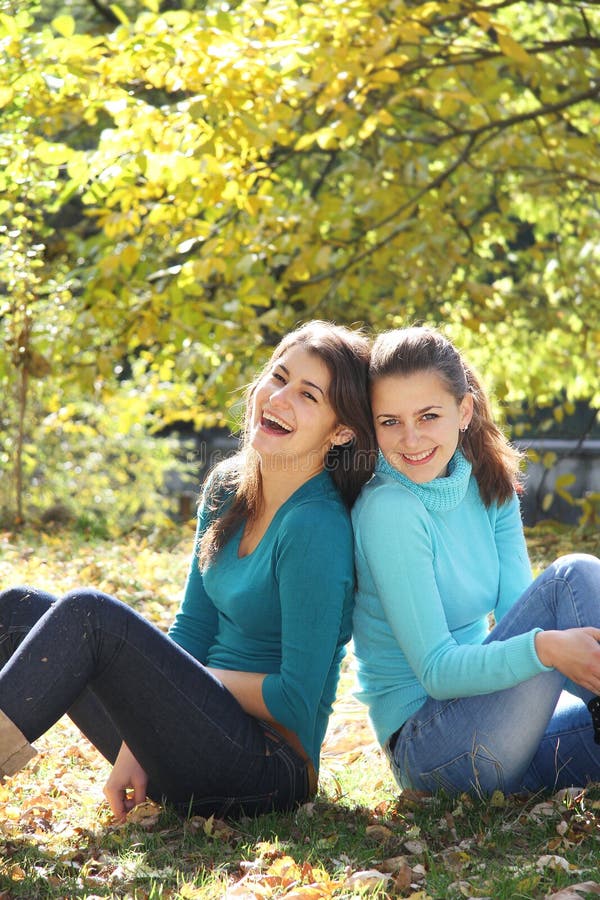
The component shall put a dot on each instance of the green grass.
(359, 838)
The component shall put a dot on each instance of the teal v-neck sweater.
(432, 562)
(285, 609)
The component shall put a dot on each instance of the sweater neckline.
(317, 485)
(440, 494)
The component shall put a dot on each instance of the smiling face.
(292, 422)
(418, 423)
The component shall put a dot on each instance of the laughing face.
(293, 424)
(418, 423)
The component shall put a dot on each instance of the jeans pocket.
(476, 771)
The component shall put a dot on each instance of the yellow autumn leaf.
(231, 190)
(6, 95)
(513, 50)
(311, 892)
(384, 117)
(53, 154)
(327, 139)
(305, 141)
(482, 18)
(385, 76)
(188, 891)
(119, 13)
(10, 24)
(564, 481)
(368, 127)
(285, 868)
(64, 25)
(498, 799)
(130, 255)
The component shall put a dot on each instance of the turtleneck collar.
(438, 495)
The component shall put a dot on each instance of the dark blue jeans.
(121, 679)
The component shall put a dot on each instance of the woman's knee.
(578, 566)
(23, 597)
(91, 607)
(15, 594)
(83, 600)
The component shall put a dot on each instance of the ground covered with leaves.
(359, 838)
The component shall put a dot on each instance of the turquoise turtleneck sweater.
(432, 562)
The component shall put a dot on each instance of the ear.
(466, 411)
(341, 435)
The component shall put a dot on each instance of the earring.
(464, 428)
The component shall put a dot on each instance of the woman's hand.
(126, 785)
(575, 652)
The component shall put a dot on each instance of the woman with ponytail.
(439, 547)
(226, 714)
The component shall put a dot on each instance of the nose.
(410, 435)
(278, 396)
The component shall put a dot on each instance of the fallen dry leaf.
(415, 847)
(368, 878)
(575, 891)
(248, 891)
(379, 832)
(552, 861)
(541, 810)
(145, 815)
(393, 864)
(211, 827)
(310, 892)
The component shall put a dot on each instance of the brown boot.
(15, 749)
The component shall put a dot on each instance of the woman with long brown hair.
(227, 713)
(440, 546)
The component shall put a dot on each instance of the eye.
(387, 423)
(309, 396)
(278, 377)
(429, 417)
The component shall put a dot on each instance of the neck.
(279, 483)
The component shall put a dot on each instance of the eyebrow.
(304, 380)
(419, 412)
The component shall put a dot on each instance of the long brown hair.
(235, 486)
(406, 351)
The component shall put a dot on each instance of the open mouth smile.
(418, 459)
(273, 423)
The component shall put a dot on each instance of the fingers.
(126, 785)
(117, 800)
(123, 801)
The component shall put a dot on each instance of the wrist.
(544, 647)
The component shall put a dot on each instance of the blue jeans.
(121, 679)
(535, 736)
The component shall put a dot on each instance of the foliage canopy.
(179, 188)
